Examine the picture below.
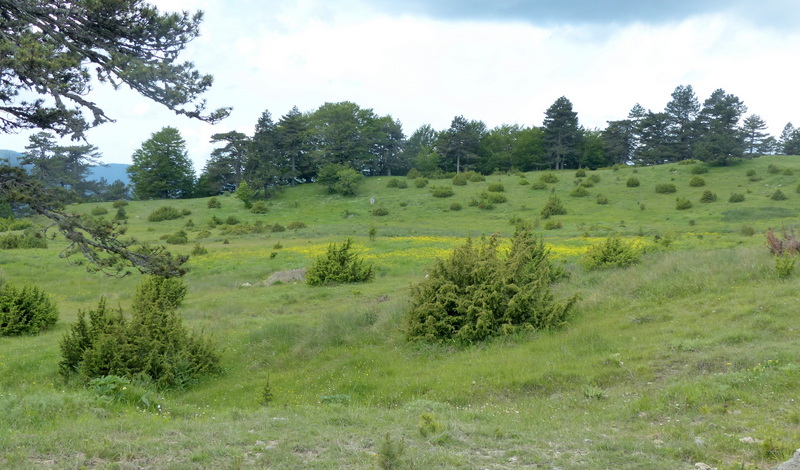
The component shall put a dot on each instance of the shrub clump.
(380, 211)
(420, 182)
(612, 253)
(581, 173)
(25, 311)
(553, 207)
(736, 197)
(259, 207)
(697, 182)
(476, 293)
(538, 185)
(27, 239)
(460, 179)
(548, 178)
(397, 183)
(296, 225)
(778, 196)
(699, 170)
(442, 191)
(665, 188)
(632, 182)
(579, 191)
(214, 203)
(602, 199)
(164, 213)
(708, 196)
(177, 238)
(152, 344)
(553, 225)
(496, 187)
(455, 206)
(339, 265)
(99, 210)
(682, 204)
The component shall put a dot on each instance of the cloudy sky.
(499, 61)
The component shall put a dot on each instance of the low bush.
(594, 178)
(751, 172)
(475, 177)
(494, 198)
(778, 196)
(99, 210)
(708, 196)
(736, 197)
(164, 213)
(25, 311)
(548, 178)
(788, 172)
(538, 185)
(277, 228)
(232, 220)
(460, 179)
(697, 182)
(10, 224)
(119, 203)
(121, 215)
(524, 182)
(553, 225)
(773, 169)
(414, 174)
(199, 250)
(579, 191)
(612, 253)
(455, 206)
(682, 204)
(699, 170)
(185, 212)
(152, 344)
(552, 207)
(602, 199)
(214, 203)
(496, 188)
(581, 173)
(339, 265)
(666, 188)
(203, 234)
(25, 240)
(476, 293)
(442, 191)
(177, 238)
(259, 207)
(296, 225)
(587, 184)
(380, 211)
(420, 182)
(632, 182)
(396, 183)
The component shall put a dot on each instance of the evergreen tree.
(756, 141)
(161, 167)
(562, 135)
(419, 146)
(618, 141)
(654, 139)
(789, 143)
(293, 145)
(720, 139)
(681, 113)
(592, 150)
(460, 144)
(386, 135)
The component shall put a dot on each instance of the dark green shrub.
(475, 177)
(773, 169)
(442, 191)
(579, 191)
(177, 238)
(380, 211)
(587, 184)
(153, 344)
(698, 170)
(232, 220)
(339, 265)
(259, 207)
(797, 189)
(414, 174)
(460, 179)
(697, 182)
(788, 172)
(682, 204)
(296, 226)
(214, 203)
(420, 182)
(199, 250)
(496, 187)
(203, 234)
(747, 231)
(602, 199)
(28, 239)
(277, 228)
(581, 173)
(121, 215)
(553, 207)
(708, 196)
(214, 221)
(736, 197)
(99, 210)
(612, 253)
(119, 203)
(164, 213)
(665, 188)
(778, 196)
(524, 182)
(397, 183)
(495, 198)
(594, 179)
(476, 293)
(538, 185)
(553, 225)
(632, 182)
(548, 178)
(9, 224)
(25, 311)
(185, 212)
(455, 206)
(751, 172)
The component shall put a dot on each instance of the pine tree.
(562, 134)
(161, 167)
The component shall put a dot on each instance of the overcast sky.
(499, 61)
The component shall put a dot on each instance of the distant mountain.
(111, 172)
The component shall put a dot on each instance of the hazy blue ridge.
(111, 172)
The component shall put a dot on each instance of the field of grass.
(689, 356)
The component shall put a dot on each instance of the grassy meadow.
(689, 356)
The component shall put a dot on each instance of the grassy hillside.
(689, 356)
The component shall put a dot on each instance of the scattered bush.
(99, 210)
(579, 191)
(460, 179)
(476, 294)
(185, 212)
(494, 198)
(25, 311)
(632, 182)
(751, 172)
(699, 170)
(177, 238)
(682, 204)
(788, 172)
(736, 197)
(119, 203)
(665, 188)
(380, 211)
(553, 207)
(524, 182)
(538, 185)
(9, 224)
(496, 188)
(296, 226)
(697, 182)
(581, 173)
(164, 213)
(277, 228)
(28, 239)
(397, 183)
(612, 253)
(784, 265)
(414, 174)
(339, 265)
(152, 344)
(778, 196)
(245, 194)
(553, 225)
(548, 178)
(232, 220)
(214, 221)
(587, 184)
(747, 231)
(708, 196)
(259, 207)
(203, 234)
(199, 250)
(594, 178)
(773, 169)
(420, 182)
(601, 199)
(455, 206)
(475, 177)
(442, 191)
(121, 215)
(214, 203)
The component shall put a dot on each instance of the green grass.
(663, 364)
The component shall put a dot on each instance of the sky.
(498, 61)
